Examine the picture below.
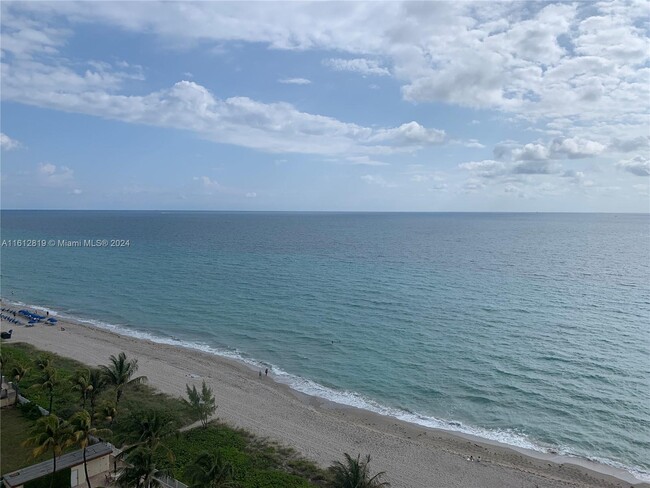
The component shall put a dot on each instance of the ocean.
(529, 329)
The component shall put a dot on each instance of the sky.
(326, 106)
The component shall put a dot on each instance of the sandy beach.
(412, 456)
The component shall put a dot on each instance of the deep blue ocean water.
(531, 329)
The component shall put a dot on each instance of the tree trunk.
(51, 399)
(54, 468)
(17, 388)
(86, 469)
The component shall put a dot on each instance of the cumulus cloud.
(587, 61)
(7, 143)
(558, 148)
(578, 71)
(575, 148)
(358, 65)
(294, 81)
(639, 166)
(271, 127)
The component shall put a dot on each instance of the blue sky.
(384, 106)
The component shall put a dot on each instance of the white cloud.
(531, 152)
(411, 133)
(207, 183)
(575, 148)
(631, 144)
(639, 166)
(251, 194)
(7, 143)
(558, 148)
(294, 81)
(486, 169)
(473, 143)
(490, 169)
(365, 161)
(50, 175)
(578, 71)
(271, 127)
(358, 65)
(536, 60)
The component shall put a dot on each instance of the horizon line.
(327, 211)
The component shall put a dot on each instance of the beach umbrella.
(52, 320)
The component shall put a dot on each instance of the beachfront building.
(69, 469)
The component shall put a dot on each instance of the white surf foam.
(348, 398)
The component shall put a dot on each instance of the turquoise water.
(531, 329)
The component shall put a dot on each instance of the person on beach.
(266, 372)
(260, 373)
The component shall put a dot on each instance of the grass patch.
(14, 430)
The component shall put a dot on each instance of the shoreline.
(411, 454)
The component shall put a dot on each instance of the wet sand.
(412, 456)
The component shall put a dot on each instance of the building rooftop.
(69, 460)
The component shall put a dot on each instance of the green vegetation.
(119, 374)
(254, 462)
(49, 434)
(14, 430)
(81, 434)
(354, 473)
(129, 413)
(202, 403)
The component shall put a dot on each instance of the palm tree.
(148, 429)
(203, 402)
(97, 380)
(18, 372)
(49, 433)
(107, 412)
(210, 471)
(81, 383)
(83, 432)
(141, 470)
(43, 362)
(354, 473)
(49, 381)
(120, 373)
